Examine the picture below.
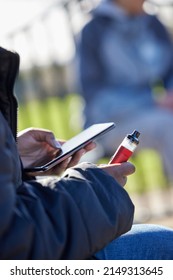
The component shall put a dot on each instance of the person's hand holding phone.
(39, 146)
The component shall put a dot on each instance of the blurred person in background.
(124, 53)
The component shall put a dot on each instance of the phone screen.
(74, 144)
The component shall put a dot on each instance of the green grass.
(149, 173)
(63, 117)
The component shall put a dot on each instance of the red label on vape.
(122, 155)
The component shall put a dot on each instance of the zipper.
(13, 69)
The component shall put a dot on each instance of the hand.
(166, 101)
(38, 146)
(119, 171)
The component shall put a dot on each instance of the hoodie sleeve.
(90, 67)
(164, 36)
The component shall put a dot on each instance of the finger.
(76, 157)
(127, 168)
(50, 138)
(58, 169)
(90, 146)
(63, 165)
(47, 136)
(123, 181)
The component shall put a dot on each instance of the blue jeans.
(142, 242)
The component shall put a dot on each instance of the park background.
(43, 32)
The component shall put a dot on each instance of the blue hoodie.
(121, 59)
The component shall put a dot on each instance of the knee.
(157, 241)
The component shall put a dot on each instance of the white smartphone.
(74, 144)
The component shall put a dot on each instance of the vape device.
(126, 148)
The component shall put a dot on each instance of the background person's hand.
(119, 171)
(38, 146)
(166, 102)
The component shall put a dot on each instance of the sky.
(47, 36)
(14, 13)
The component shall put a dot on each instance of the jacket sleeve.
(164, 36)
(90, 73)
(68, 218)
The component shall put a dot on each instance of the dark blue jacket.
(71, 217)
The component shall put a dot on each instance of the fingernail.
(83, 152)
(57, 144)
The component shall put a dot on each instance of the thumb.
(52, 141)
(56, 144)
